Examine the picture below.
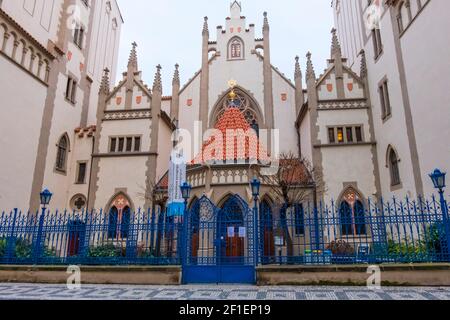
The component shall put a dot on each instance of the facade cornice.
(26, 34)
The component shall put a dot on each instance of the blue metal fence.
(356, 232)
(89, 238)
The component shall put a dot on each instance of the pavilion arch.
(253, 106)
(192, 203)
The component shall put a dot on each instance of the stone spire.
(175, 102)
(205, 31)
(299, 98)
(157, 84)
(105, 85)
(266, 22)
(298, 70)
(310, 73)
(176, 75)
(363, 71)
(132, 61)
(335, 45)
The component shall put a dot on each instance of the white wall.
(19, 137)
(427, 69)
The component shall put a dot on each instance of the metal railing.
(359, 232)
(89, 238)
(354, 233)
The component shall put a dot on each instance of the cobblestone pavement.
(117, 292)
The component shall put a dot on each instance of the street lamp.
(438, 178)
(186, 191)
(256, 186)
(46, 197)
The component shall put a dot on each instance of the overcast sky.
(169, 32)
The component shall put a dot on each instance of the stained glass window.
(243, 104)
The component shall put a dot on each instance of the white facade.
(413, 60)
(43, 44)
(117, 140)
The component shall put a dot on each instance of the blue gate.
(219, 244)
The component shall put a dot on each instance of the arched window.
(394, 168)
(352, 215)
(119, 218)
(125, 223)
(242, 102)
(61, 155)
(236, 49)
(112, 223)
(345, 214)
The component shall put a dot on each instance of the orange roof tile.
(234, 148)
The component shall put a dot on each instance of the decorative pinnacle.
(363, 71)
(335, 45)
(266, 22)
(157, 84)
(205, 27)
(104, 85)
(132, 61)
(298, 71)
(176, 75)
(310, 73)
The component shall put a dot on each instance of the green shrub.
(3, 244)
(23, 249)
(433, 239)
(105, 251)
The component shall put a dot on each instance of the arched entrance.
(219, 242)
(231, 227)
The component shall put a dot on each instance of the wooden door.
(269, 243)
(195, 244)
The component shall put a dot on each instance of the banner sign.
(177, 176)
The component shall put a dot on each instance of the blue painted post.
(255, 232)
(37, 248)
(445, 220)
(12, 241)
(152, 229)
(184, 253)
(316, 227)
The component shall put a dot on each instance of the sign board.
(279, 241)
(230, 232)
(177, 176)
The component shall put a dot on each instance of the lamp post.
(46, 197)
(186, 194)
(438, 178)
(256, 186)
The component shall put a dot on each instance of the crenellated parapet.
(18, 46)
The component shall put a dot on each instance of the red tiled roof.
(164, 182)
(233, 148)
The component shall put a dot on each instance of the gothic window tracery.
(244, 105)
